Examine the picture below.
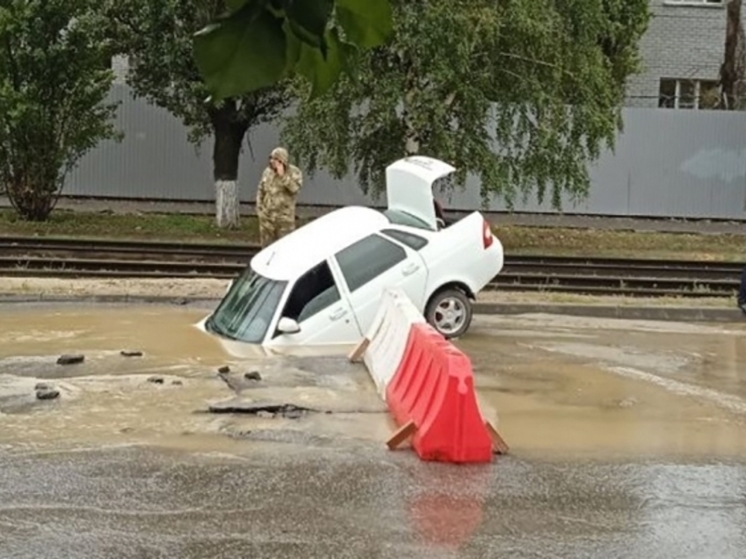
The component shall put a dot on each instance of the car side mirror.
(288, 326)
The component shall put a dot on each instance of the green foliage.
(54, 81)
(522, 93)
(157, 35)
(257, 43)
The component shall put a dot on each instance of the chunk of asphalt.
(70, 359)
(253, 375)
(47, 394)
(224, 370)
(232, 382)
(254, 408)
(130, 353)
(156, 380)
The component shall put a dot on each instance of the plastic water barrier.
(428, 385)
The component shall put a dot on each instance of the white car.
(322, 283)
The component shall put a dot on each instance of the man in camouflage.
(275, 199)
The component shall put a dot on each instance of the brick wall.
(120, 66)
(683, 41)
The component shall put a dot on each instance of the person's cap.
(281, 155)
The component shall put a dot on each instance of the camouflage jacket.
(275, 199)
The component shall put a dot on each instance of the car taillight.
(487, 238)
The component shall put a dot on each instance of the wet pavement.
(627, 440)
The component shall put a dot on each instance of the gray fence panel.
(666, 164)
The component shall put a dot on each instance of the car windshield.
(247, 309)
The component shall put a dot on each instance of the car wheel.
(449, 312)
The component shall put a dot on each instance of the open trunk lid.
(409, 186)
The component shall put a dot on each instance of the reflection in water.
(447, 508)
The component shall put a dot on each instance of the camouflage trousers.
(273, 230)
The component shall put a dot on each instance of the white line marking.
(731, 403)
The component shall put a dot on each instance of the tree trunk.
(229, 133)
(411, 146)
(732, 67)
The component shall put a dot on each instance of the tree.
(733, 69)
(522, 93)
(54, 81)
(157, 35)
(257, 43)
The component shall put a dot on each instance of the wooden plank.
(501, 447)
(401, 435)
(357, 354)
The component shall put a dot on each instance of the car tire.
(449, 312)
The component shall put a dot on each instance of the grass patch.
(170, 227)
(622, 244)
(516, 239)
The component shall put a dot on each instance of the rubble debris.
(70, 359)
(261, 409)
(253, 375)
(47, 393)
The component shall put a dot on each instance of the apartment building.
(681, 55)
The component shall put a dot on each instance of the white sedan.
(322, 284)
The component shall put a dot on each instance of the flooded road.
(627, 439)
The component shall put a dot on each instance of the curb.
(108, 299)
(676, 314)
(672, 314)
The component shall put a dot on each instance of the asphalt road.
(362, 502)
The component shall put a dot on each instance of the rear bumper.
(496, 257)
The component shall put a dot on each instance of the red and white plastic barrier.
(428, 385)
(386, 339)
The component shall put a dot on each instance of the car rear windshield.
(247, 309)
(397, 217)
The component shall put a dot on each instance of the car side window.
(367, 259)
(312, 293)
(415, 242)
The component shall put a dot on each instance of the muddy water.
(109, 399)
(556, 386)
(597, 387)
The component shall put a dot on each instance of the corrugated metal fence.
(667, 163)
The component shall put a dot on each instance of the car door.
(375, 263)
(316, 303)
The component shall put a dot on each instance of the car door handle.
(411, 269)
(336, 315)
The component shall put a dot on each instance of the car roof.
(307, 246)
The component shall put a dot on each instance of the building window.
(688, 94)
